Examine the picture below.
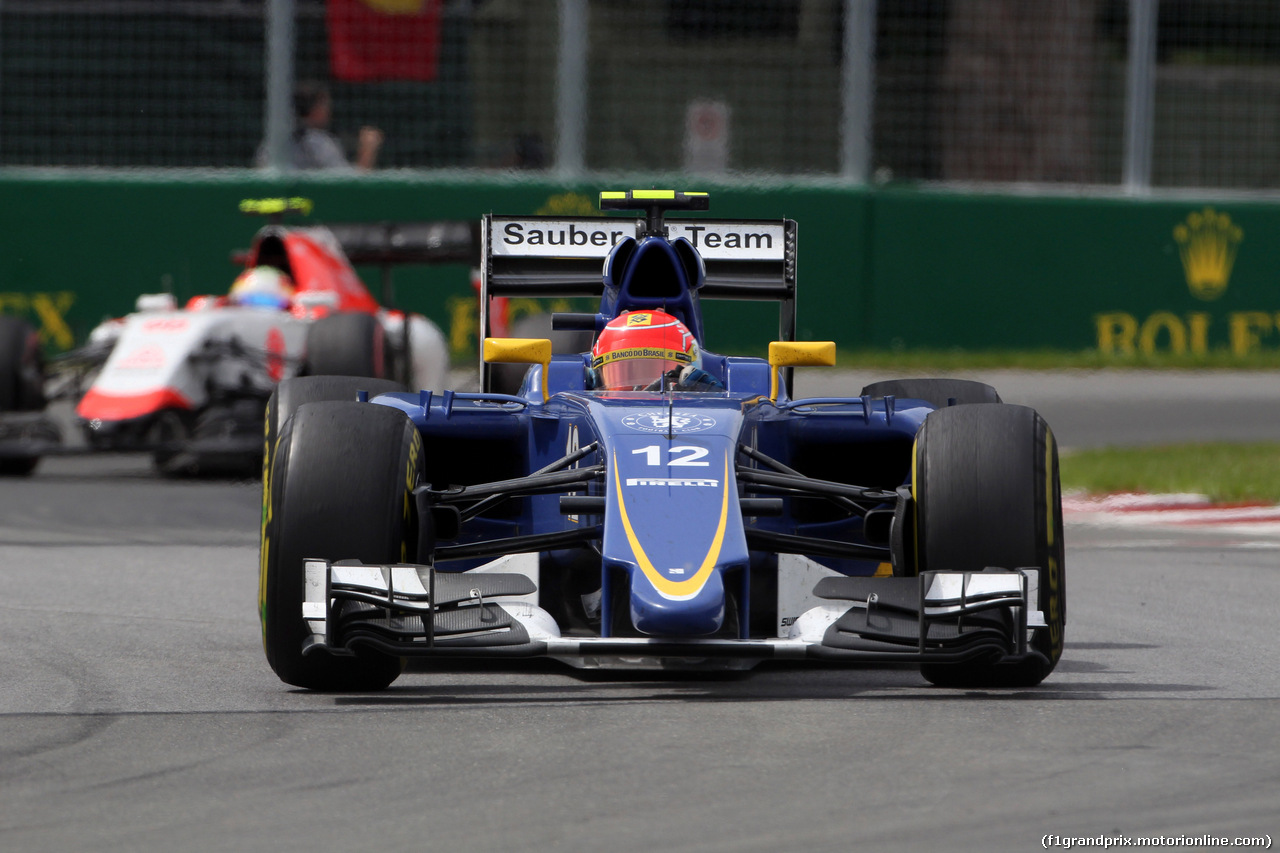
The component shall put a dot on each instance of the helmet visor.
(262, 300)
(636, 369)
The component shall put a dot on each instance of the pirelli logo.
(673, 481)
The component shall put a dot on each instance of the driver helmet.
(262, 287)
(637, 348)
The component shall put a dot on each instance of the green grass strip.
(1226, 473)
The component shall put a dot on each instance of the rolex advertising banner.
(880, 268)
(1123, 275)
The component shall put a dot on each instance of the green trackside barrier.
(884, 268)
(1124, 275)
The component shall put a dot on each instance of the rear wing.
(388, 243)
(392, 244)
(398, 243)
(563, 256)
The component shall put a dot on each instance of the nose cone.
(657, 615)
(673, 521)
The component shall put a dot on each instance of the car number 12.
(690, 455)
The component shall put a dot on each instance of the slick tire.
(339, 489)
(171, 432)
(352, 344)
(986, 493)
(21, 382)
(285, 400)
(292, 393)
(940, 392)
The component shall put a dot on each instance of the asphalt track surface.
(137, 712)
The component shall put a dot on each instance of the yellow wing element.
(270, 206)
(520, 351)
(798, 354)
(670, 199)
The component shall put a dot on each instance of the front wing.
(414, 610)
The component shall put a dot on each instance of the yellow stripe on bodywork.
(690, 586)
(1055, 615)
(914, 570)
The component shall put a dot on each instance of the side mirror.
(798, 354)
(520, 351)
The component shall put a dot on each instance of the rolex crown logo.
(1207, 242)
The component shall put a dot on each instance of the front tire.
(987, 493)
(340, 488)
(291, 394)
(21, 382)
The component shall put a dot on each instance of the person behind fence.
(648, 351)
(312, 145)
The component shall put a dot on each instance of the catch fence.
(1124, 93)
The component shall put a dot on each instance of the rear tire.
(987, 493)
(351, 344)
(940, 392)
(339, 488)
(21, 382)
(292, 393)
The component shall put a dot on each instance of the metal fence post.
(278, 83)
(1, 67)
(1140, 96)
(857, 89)
(571, 88)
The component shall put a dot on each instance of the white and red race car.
(189, 384)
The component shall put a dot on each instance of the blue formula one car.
(651, 504)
